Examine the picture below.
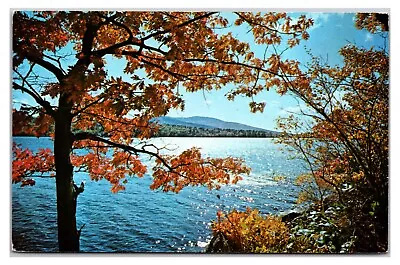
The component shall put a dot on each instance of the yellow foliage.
(251, 232)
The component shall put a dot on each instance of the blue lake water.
(143, 220)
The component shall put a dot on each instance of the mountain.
(180, 122)
(207, 122)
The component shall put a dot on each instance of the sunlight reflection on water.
(141, 220)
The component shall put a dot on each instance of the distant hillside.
(179, 122)
(208, 123)
(167, 130)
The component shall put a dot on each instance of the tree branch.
(45, 104)
(178, 26)
(174, 74)
(93, 137)
(263, 26)
(238, 63)
(36, 58)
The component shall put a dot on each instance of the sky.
(330, 32)
(265, 120)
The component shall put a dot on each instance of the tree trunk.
(68, 236)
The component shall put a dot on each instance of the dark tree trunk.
(68, 235)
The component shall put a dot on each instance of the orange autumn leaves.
(161, 54)
(345, 140)
(26, 164)
(341, 133)
(171, 173)
(37, 36)
(23, 124)
(277, 25)
(251, 232)
(190, 168)
(373, 22)
(114, 168)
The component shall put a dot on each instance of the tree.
(373, 22)
(347, 144)
(342, 133)
(60, 60)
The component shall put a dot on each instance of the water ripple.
(141, 220)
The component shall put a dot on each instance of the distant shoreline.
(178, 136)
(168, 130)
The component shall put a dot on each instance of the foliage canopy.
(162, 51)
(343, 136)
(60, 60)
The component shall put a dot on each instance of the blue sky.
(330, 32)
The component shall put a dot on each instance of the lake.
(142, 220)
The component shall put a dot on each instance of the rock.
(218, 244)
(287, 217)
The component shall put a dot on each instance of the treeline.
(167, 130)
